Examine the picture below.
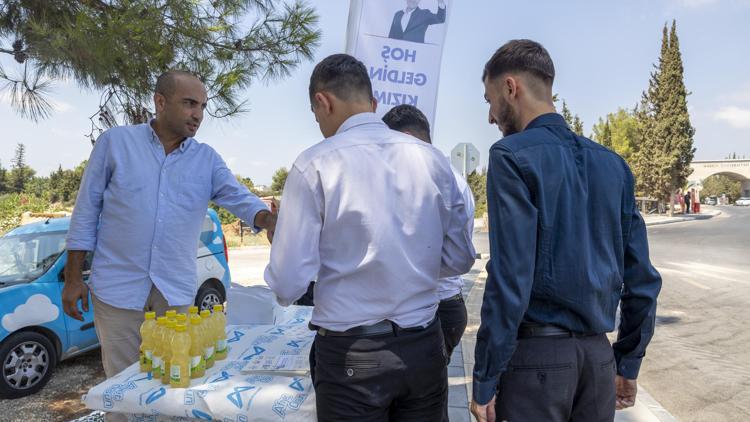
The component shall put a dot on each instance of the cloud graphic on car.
(37, 310)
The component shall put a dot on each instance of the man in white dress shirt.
(377, 238)
(451, 310)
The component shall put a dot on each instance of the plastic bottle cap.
(218, 308)
(181, 317)
(150, 315)
(193, 310)
(161, 320)
(171, 323)
(170, 313)
(180, 328)
(205, 313)
(195, 320)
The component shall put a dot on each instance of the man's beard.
(507, 121)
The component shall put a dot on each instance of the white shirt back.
(377, 218)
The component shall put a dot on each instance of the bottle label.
(221, 345)
(162, 367)
(156, 364)
(208, 352)
(174, 373)
(195, 363)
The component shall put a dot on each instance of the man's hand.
(484, 412)
(74, 287)
(625, 391)
(73, 290)
(266, 220)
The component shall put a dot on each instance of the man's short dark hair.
(343, 76)
(165, 83)
(521, 56)
(406, 117)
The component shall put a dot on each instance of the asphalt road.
(698, 364)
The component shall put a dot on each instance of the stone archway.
(735, 169)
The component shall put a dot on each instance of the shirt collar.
(548, 119)
(184, 145)
(359, 120)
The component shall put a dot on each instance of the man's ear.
(159, 102)
(374, 103)
(510, 87)
(324, 102)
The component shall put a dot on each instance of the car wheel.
(207, 297)
(28, 360)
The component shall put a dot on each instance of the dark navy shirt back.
(567, 245)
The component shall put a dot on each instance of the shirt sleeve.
(642, 284)
(458, 252)
(510, 271)
(295, 256)
(84, 222)
(234, 196)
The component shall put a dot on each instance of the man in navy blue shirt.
(567, 245)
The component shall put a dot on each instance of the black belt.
(452, 298)
(530, 329)
(378, 329)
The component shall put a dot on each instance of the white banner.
(401, 44)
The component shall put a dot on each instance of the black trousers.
(559, 379)
(392, 377)
(453, 318)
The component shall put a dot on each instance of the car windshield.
(25, 257)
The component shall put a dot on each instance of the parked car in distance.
(711, 200)
(35, 333)
(743, 202)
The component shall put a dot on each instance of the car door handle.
(87, 326)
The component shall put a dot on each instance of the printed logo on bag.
(297, 385)
(197, 414)
(257, 351)
(288, 403)
(156, 395)
(223, 377)
(236, 396)
(236, 335)
(293, 343)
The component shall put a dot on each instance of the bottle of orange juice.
(220, 327)
(197, 362)
(147, 341)
(158, 355)
(179, 362)
(208, 339)
(167, 355)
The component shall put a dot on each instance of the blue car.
(35, 333)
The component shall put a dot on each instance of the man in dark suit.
(411, 23)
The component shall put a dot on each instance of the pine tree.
(3, 179)
(119, 47)
(20, 172)
(278, 180)
(676, 117)
(577, 125)
(664, 147)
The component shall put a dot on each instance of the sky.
(603, 53)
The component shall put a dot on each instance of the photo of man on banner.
(411, 23)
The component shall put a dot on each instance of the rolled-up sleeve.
(295, 256)
(510, 271)
(234, 196)
(641, 287)
(458, 252)
(85, 220)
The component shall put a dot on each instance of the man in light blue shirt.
(140, 207)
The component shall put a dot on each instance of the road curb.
(654, 406)
(683, 219)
